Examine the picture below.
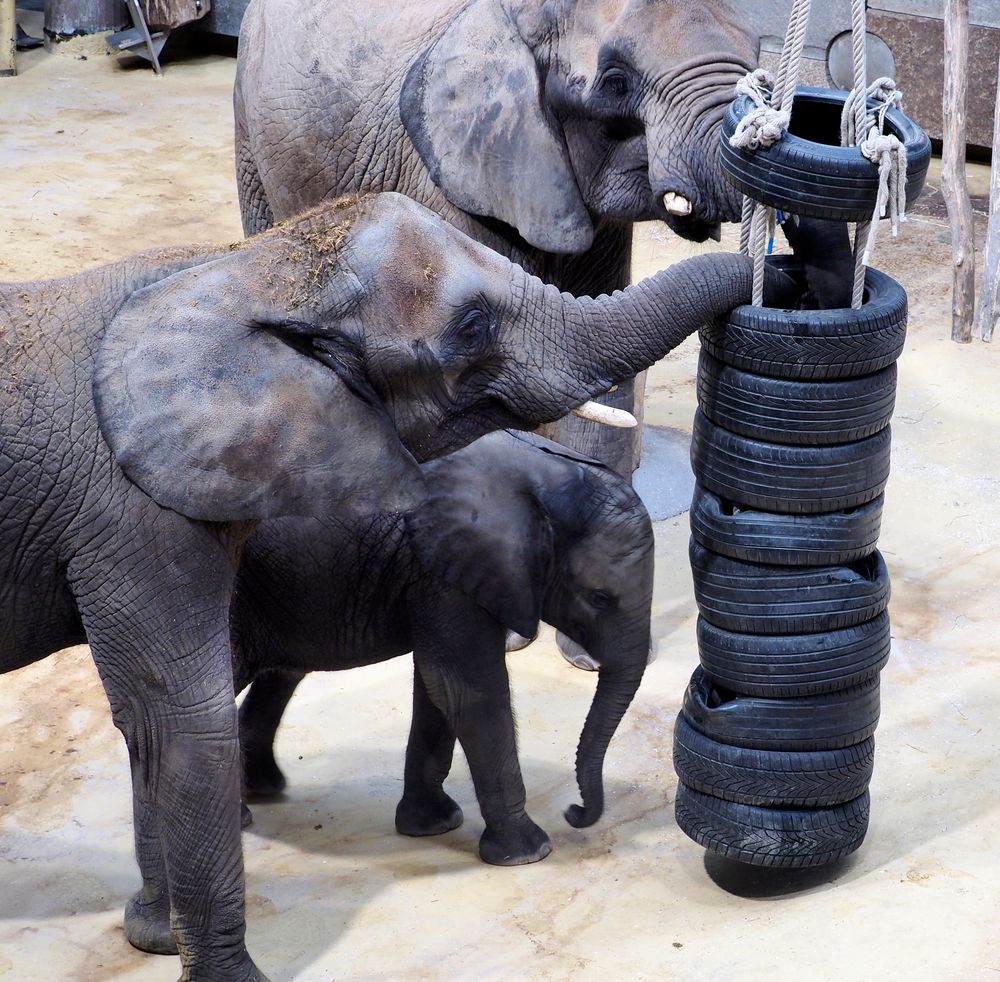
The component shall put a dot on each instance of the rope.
(866, 130)
(767, 122)
(763, 126)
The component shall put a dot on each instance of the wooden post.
(989, 296)
(8, 38)
(954, 185)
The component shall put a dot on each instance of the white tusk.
(607, 415)
(676, 204)
(576, 654)
(515, 641)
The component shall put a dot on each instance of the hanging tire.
(779, 665)
(815, 413)
(829, 539)
(757, 599)
(773, 778)
(807, 172)
(813, 344)
(820, 722)
(790, 480)
(776, 837)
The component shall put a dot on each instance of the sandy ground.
(98, 158)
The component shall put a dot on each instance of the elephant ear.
(473, 106)
(221, 414)
(482, 531)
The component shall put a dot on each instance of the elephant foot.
(515, 846)
(262, 777)
(246, 816)
(427, 815)
(147, 924)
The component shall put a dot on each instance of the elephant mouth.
(693, 228)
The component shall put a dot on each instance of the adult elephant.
(543, 129)
(151, 410)
(514, 530)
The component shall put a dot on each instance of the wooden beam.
(8, 38)
(954, 185)
(989, 297)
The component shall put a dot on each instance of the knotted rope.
(770, 118)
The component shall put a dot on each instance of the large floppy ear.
(217, 409)
(473, 106)
(482, 531)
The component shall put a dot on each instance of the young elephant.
(152, 410)
(515, 529)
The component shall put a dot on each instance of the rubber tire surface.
(775, 837)
(791, 480)
(792, 411)
(802, 174)
(754, 536)
(779, 665)
(813, 344)
(821, 722)
(757, 599)
(773, 778)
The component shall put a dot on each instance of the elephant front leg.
(260, 715)
(147, 914)
(163, 653)
(466, 679)
(425, 808)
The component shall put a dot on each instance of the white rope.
(763, 126)
(866, 130)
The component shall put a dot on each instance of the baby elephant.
(515, 530)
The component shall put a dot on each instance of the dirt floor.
(99, 158)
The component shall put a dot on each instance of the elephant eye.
(472, 332)
(601, 599)
(615, 82)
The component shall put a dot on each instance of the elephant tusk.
(576, 654)
(515, 641)
(607, 415)
(676, 204)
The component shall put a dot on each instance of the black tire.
(777, 837)
(815, 413)
(807, 172)
(779, 665)
(821, 722)
(758, 599)
(753, 536)
(773, 778)
(813, 344)
(790, 480)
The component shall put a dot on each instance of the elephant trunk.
(615, 690)
(701, 91)
(592, 344)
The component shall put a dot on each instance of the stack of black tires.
(774, 745)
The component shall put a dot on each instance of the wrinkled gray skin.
(514, 530)
(151, 410)
(543, 129)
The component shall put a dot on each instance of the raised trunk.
(699, 95)
(592, 344)
(615, 691)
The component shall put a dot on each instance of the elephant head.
(303, 371)
(564, 540)
(547, 115)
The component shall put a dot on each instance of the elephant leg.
(466, 679)
(159, 637)
(147, 914)
(260, 715)
(425, 808)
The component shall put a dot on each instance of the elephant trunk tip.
(581, 817)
